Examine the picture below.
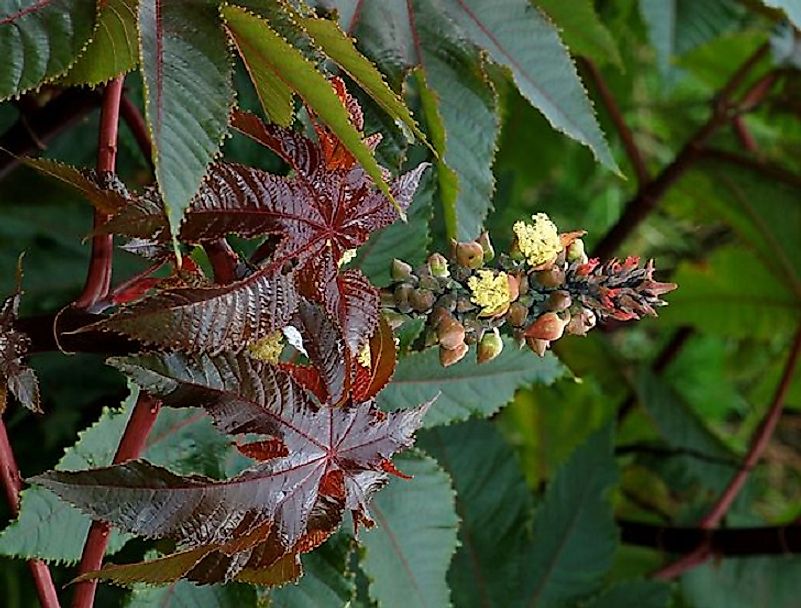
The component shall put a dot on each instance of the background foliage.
(531, 475)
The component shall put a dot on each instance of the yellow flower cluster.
(490, 291)
(539, 242)
(365, 358)
(268, 348)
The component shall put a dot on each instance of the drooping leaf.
(184, 594)
(259, 45)
(114, 48)
(188, 94)
(643, 594)
(460, 105)
(575, 536)
(339, 47)
(408, 553)
(466, 389)
(516, 35)
(53, 530)
(582, 30)
(677, 26)
(106, 193)
(40, 41)
(333, 459)
(494, 504)
(325, 582)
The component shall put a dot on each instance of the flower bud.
(438, 266)
(402, 293)
(470, 254)
(429, 282)
(548, 326)
(538, 346)
(553, 277)
(486, 245)
(450, 332)
(517, 315)
(558, 301)
(575, 251)
(421, 300)
(400, 271)
(489, 347)
(449, 356)
(447, 301)
(581, 322)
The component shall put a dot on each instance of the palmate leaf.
(326, 209)
(41, 40)
(325, 460)
(518, 36)
(114, 48)
(188, 94)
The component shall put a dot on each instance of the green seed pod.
(489, 347)
(400, 271)
(438, 266)
(486, 245)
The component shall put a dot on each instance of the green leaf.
(516, 35)
(51, 529)
(339, 47)
(408, 242)
(262, 49)
(575, 535)
(708, 461)
(677, 26)
(188, 94)
(408, 552)
(582, 30)
(114, 49)
(642, 594)
(325, 580)
(461, 110)
(732, 294)
(744, 583)
(184, 594)
(465, 389)
(40, 41)
(792, 8)
(494, 504)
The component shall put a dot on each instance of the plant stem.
(98, 278)
(759, 442)
(651, 193)
(131, 445)
(136, 123)
(616, 116)
(12, 484)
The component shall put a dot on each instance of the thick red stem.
(131, 445)
(12, 485)
(98, 279)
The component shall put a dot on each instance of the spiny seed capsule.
(422, 300)
(470, 254)
(400, 271)
(558, 301)
(438, 266)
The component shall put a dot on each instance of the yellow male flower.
(491, 292)
(365, 357)
(539, 241)
(268, 348)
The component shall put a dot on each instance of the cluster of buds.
(544, 288)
